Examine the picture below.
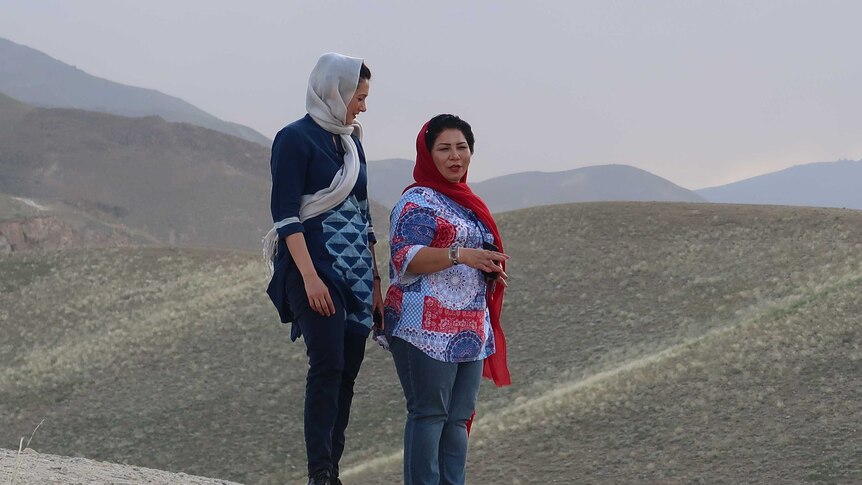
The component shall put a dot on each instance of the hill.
(171, 183)
(175, 182)
(26, 224)
(649, 342)
(825, 184)
(387, 178)
(588, 184)
(36, 78)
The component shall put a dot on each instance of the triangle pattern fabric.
(346, 232)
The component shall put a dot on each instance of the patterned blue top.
(305, 158)
(444, 314)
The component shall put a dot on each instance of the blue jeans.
(334, 358)
(441, 397)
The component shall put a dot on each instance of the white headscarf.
(331, 86)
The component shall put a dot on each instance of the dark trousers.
(334, 358)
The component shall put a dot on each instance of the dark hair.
(446, 122)
(364, 73)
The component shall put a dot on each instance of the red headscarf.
(425, 174)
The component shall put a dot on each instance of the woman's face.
(357, 104)
(451, 154)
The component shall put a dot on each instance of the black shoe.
(321, 477)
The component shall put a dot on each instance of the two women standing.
(442, 312)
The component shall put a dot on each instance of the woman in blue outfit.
(322, 250)
(447, 275)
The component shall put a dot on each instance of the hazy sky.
(699, 92)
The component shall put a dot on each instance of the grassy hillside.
(178, 183)
(651, 343)
(16, 208)
(11, 110)
(166, 358)
(675, 343)
(27, 224)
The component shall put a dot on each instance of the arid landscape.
(677, 184)
(29, 466)
(649, 343)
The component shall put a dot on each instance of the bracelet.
(454, 254)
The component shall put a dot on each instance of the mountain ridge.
(610, 182)
(36, 78)
(177, 182)
(819, 184)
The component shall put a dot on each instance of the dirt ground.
(38, 468)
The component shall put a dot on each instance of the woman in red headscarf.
(442, 310)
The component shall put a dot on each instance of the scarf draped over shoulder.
(426, 174)
(331, 86)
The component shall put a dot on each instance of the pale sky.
(699, 92)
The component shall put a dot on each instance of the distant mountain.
(175, 183)
(387, 178)
(38, 79)
(825, 184)
(155, 181)
(589, 184)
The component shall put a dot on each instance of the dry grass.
(14, 475)
(774, 399)
(646, 289)
(652, 343)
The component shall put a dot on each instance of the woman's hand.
(318, 295)
(503, 280)
(377, 301)
(483, 260)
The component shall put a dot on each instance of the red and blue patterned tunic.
(444, 314)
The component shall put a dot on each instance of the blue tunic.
(305, 158)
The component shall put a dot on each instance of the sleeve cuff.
(288, 226)
(406, 278)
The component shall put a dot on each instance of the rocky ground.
(31, 467)
(51, 233)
